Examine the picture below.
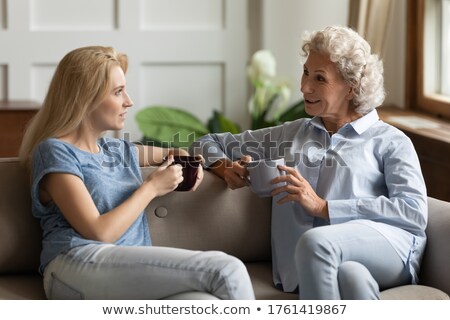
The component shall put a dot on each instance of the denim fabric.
(116, 272)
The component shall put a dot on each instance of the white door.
(189, 54)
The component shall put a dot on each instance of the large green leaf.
(219, 123)
(296, 111)
(170, 126)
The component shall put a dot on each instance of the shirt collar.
(317, 122)
(365, 122)
(359, 125)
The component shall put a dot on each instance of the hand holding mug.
(298, 189)
(235, 173)
(262, 174)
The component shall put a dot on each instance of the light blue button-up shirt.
(368, 172)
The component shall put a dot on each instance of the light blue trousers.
(117, 272)
(347, 261)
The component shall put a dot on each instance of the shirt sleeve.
(405, 205)
(52, 157)
(259, 144)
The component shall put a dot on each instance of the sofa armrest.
(20, 233)
(435, 270)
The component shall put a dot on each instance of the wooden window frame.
(415, 98)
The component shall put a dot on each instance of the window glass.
(432, 49)
(445, 48)
(433, 71)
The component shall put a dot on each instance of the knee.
(351, 272)
(232, 274)
(312, 242)
(236, 265)
(356, 282)
(225, 265)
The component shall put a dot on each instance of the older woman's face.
(326, 93)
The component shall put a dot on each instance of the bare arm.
(71, 196)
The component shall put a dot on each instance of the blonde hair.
(79, 84)
(352, 56)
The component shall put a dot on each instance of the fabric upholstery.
(21, 287)
(414, 292)
(435, 268)
(212, 218)
(20, 234)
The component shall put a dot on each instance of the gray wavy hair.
(351, 55)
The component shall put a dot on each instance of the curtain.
(370, 18)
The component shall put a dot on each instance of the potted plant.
(268, 106)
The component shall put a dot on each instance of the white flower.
(262, 66)
(279, 104)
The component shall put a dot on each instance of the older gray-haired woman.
(351, 219)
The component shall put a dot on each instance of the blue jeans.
(107, 271)
(348, 261)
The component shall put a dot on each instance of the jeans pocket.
(59, 290)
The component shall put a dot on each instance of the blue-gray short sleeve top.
(110, 176)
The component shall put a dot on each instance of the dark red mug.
(190, 166)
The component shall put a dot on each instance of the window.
(445, 58)
(428, 62)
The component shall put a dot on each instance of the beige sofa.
(212, 218)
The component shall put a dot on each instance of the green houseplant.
(172, 127)
(169, 126)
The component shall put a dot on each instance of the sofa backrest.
(20, 233)
(213, 217)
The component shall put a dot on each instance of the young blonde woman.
(89, 195)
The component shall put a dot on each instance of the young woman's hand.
(165, 178)
(200, 173)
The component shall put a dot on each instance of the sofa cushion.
(20, 234)
(414, 292)
(261, 276)
(21, 287)
(213, 218)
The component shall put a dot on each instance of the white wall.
(283, 23)
(187, 53)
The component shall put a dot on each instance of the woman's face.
(326, 93)
(111, 113)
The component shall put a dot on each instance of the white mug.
(261, 172)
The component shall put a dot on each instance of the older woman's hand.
(234, 173)
(299, 190)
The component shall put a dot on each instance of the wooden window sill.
(429, 126)
(431, 138)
